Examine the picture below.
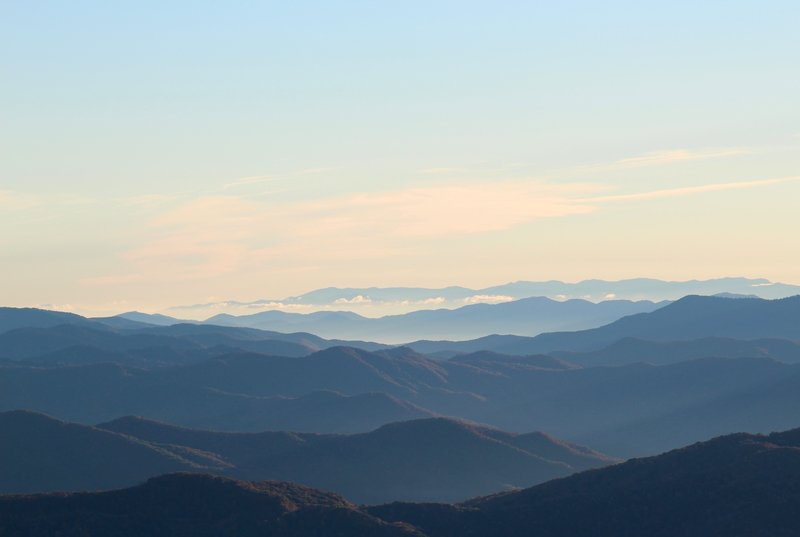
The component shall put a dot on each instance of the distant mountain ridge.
(398, 300)
(528, 316)
(690, 318)
(431, 459)
(74, 339)
(12, 318)
(632, 350)
(350, 390)
(229, 378)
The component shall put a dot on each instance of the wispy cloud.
(271, 178)
(650, 159)
(219, 235)
(689, 190)
(441, 210)
(661, 158)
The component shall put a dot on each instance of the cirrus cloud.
(218, 235)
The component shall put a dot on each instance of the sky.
(154, 154)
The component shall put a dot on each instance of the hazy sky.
(163, 153)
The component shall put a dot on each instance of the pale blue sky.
(157, 153)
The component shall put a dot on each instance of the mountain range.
(350, 390)
(75, 340)
(431, 421)
(631, 350)
(581, 389)
(421, 460)
(529, 316)
(738, 485)
(692, 317)
(375, 301)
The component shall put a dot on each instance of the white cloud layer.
(488, 299)
(358, 299)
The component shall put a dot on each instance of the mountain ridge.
(738, 485)
(427, 459)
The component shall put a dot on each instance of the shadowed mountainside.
(431, 460)
(423, 460)
(185, 505)
(738, 485)
(38, 453)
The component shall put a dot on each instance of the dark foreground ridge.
(738, 485)
(189, 505)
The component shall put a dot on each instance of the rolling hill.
(430, 459)
(350, 390)
(420, 460)
(738, 485)
(38, 453)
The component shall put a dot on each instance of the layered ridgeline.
(396, 300)
(690, 318)
(227, 379)
(528, 317)
(739, 485)
(47, 338)
(51, 337)
(423, 460)
(624, 411)
(155, 340)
